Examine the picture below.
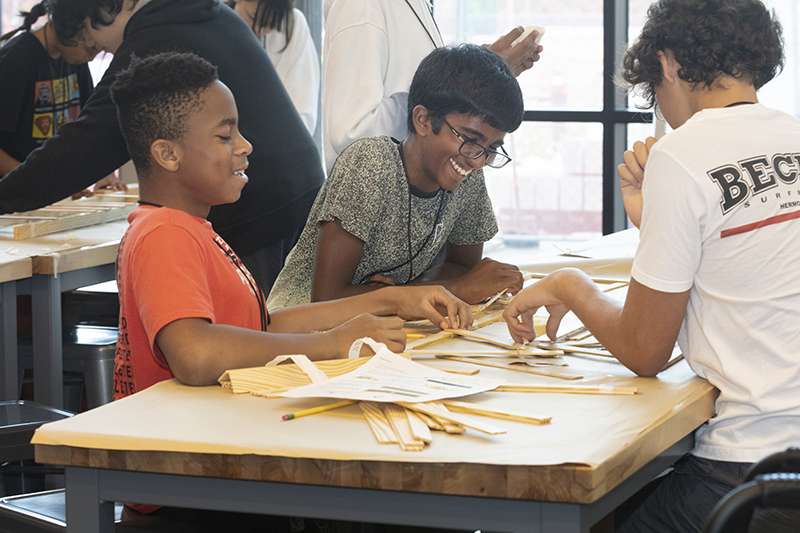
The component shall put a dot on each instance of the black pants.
(682, 500)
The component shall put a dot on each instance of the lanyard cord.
(254, 286)
(424, 27)
(411, 255)
(231, 255)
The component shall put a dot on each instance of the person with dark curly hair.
(717, 203)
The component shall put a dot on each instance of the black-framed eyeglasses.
(472, 150)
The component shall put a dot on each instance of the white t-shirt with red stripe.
(721, 217)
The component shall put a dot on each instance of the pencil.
(415, 336)
(320, 409)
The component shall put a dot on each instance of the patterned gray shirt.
(368, 192)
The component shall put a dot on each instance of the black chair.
(773, 482)
(18, 421)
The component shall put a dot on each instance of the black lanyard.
(424, 27)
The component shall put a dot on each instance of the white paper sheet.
(388, 377)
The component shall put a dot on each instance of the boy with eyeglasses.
(389, 207)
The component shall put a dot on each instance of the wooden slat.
(79, 219)
(402, 428)
(378, 423)
(553, 372)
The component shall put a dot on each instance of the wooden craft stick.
(474, 409)
(553, 372)
(396, 415)
(492, 300)
(602, 389)
(431, 422)
(456, 418)
(419, 428)
(378, 423)
(474, 335)
(320, 409)
(571, 334)
(533, 352)
(530, 275)
(571, 348)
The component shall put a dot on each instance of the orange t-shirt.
(172, 265)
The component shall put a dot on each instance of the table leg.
(48, 378)
(86, 512)
(9, 381)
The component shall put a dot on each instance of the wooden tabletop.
(592, 444)
(336, 448)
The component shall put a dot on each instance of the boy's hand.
(486, 279)
(519, 312)
(432, 302)
(386, 330)
(520, 57)
(631, 175)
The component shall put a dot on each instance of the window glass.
(551, 192)
(570, 72)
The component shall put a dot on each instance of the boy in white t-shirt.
(716, 270)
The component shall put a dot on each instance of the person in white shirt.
(715, 269)
(372, 49)
(285, 35)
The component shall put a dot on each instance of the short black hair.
(154, 96)
(67, 16)
(277, 15)
(709, 39)
(466, 79)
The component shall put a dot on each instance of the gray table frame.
(9, 385)
(45, 290)
(92, 491)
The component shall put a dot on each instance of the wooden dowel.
(474, 409)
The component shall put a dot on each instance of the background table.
(58, 262)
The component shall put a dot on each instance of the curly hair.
(709, 39)
(467, 79)
(155, 95)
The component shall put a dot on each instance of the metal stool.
(88, 350)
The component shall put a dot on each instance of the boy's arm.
(337, 256)
(641, 332)
(434, 303)
(470, 277)
(198, 351)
